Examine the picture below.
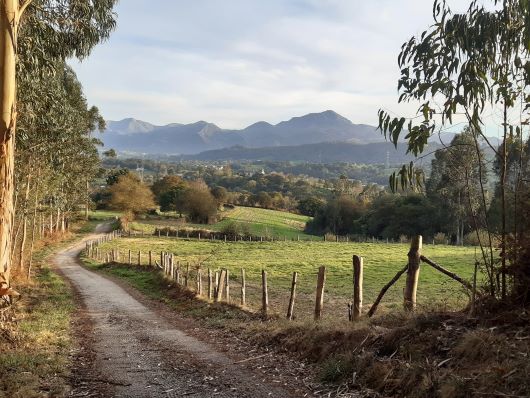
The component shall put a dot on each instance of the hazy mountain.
(328, 152)
(129, 126)
(131, 135)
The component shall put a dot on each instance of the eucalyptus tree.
(454, 184)
(34, 35)
(55, 150)
(468, 66)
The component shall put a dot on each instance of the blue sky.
(234, 62)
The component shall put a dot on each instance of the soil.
(129, 346)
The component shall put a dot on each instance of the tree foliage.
(129, 194)
(465, 65)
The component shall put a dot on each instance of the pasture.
(281, 259)
(260, 222)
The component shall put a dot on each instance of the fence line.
(218, 288)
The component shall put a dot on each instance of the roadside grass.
(280, 259)
(261, 222)
(36, 339)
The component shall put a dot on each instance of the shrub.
(471, 239)
(440, 238)
(235, 228)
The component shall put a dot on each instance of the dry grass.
(440, 354)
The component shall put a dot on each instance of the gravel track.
(135, 352)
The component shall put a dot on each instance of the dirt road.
(139, 353)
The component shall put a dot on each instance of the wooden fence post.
(227, 286)
(150, 258)
(264, 295)
(216, 284)
(130, 260)
(290, 309)
(357, 287)
(221, 286)
(139, 258)
(187, 276)
(413, 273)
(243, 288)
(321, 280)
(177, 272)
(199, 282)
(210, 284)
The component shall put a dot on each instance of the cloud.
(238, 61)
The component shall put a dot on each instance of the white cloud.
(235, 62)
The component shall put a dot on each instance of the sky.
(235, 62)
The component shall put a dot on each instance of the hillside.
(328, 152)
(260, 222)
(131, 135)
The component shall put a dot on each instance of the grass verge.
(36, 337)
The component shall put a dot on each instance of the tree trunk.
(87, 199)
(34, 231)
(24, 222)
(503, 202)
(8, 34)
(58, 220)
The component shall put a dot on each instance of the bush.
(329, 237)
(471, 239)
(200, 204)
(235, 228)
(440, 238)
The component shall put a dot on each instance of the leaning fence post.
(243, 288)
(357, 287)
(264, 295)
(413, 273)
(290, 309)
(321, 280)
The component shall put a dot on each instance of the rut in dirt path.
(137, 353)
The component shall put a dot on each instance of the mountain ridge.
(133, 135)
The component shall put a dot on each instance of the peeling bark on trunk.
(8, 25)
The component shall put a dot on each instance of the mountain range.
(136, 136)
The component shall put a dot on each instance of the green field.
(261, 222)
(101, 215)
(280, 259)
